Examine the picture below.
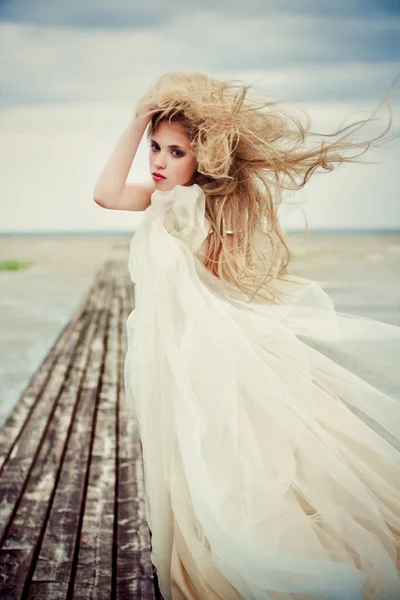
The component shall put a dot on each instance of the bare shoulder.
(134, 196)
(203, 252)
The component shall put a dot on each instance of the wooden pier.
(72, 521)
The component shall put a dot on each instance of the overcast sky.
(71, 73)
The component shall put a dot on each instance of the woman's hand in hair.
(145, 110)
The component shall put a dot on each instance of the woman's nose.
(159, 162)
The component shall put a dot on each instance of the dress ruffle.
(270, 433)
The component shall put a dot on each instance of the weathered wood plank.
(62, 531)
(93, 574)
(26, 527)
(48, 590)
(58, 546)
(134, 571)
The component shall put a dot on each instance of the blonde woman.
(270, 423)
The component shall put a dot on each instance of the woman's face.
(171, 157)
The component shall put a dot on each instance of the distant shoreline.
(130, 232)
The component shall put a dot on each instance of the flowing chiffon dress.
(270, 432)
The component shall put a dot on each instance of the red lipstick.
(157, 176)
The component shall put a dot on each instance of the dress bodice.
(182, 210)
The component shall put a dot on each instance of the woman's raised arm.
(111, 190)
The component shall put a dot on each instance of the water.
(361, 272)
(37, 302)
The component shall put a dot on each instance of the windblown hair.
(248, 149)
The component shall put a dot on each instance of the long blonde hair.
(249, 149)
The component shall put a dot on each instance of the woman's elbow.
(100, 202)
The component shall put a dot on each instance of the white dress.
(270, 433)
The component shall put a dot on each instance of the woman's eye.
(178, 153)
(154, 147)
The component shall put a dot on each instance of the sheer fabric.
(270, 433)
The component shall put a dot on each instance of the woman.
(270, 423)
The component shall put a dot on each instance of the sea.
(360, 271)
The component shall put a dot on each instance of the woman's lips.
(158, 177)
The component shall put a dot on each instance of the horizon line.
(132, 231)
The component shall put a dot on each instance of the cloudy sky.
(72, 71)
